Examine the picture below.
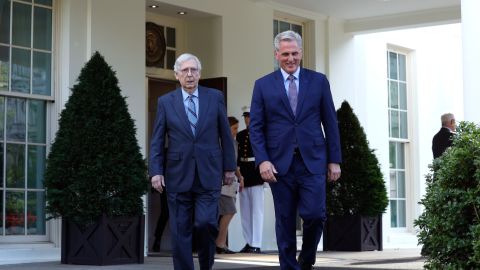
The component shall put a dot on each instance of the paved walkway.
(43, 257)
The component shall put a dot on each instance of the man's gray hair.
(447, 118)
(183, 58)
(288, 35)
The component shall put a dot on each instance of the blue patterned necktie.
(292, 93)
(192, 113)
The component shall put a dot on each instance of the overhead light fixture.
(182, 13)
(153, 6)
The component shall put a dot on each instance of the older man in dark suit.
(193, 120)
(444, 137)
(290, 109)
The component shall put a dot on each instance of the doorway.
(157, 88)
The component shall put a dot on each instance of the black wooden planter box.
(118, 240)
(353, 233)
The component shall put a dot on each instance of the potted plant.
(449, 227)
(96, 176)
(356, 201)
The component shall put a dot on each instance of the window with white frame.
(25, 90)
(398, 135)
(281, 26)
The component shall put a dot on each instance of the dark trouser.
(298, 189)
(203, 204)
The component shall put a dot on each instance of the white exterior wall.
(471, 58)
(359, 70)
(83, 27)
(235, 42)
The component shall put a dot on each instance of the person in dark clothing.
(443, 139)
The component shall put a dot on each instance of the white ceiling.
(360, 9)
(342, 9)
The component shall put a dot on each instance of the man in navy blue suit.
(290, 110)
(192, 120)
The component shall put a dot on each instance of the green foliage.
(449, 226)
(95, 165)
(361, 189)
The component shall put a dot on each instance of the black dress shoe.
(224, 250)
(245, 249)
(156, 245)
(304, 265)
(254, 250)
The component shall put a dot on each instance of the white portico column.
(471, 59)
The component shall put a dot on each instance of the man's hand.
(334, 171)
(158, 183)
(268, 171)
(228, 177)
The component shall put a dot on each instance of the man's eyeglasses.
(192, 71)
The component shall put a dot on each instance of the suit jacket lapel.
(204, 104)
(180, 109)
(303, 89)
(280, 84)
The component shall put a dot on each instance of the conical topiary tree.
(361, 188)
(95, 166)
(449, 227)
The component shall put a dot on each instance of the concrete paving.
(43, 257)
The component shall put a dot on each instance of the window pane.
(2, 150)
(15, 213)
(401, 67)
(401, 214)
(170, 59)
(402, 89)
(393, 155)
(401, 184)
(42, 28)
(42, 78)
(284, 26)
(297, 28)
(393, 213)
(20, 70)
(4, 67)
(16, 119)
(1, 214)
(5, 21)
(2, 114)
(403, 125)
(37, 121)
(21, 24)
(392, 57)
(36, 166)
(394, 129)
(44, 2)
(400, 155)
(275, 28)
(36, 213)
(393, 184)
(15, 166)
(171, 37)
(393, 94)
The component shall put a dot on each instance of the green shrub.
(449, 226)
(361, 188)
(95, 166)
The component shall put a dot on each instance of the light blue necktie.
(191, 113)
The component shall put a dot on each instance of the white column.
(471, 59)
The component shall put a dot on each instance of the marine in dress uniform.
(252, 196)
